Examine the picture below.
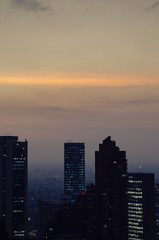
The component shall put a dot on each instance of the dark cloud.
(30, 5)
(156, 4)
(60, 109)
(132, 102)
(56, 108)
(143, 101)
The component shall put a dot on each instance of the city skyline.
(80, 71)
(109, 194)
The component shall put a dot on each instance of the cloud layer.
(156, 4)
(30, 5)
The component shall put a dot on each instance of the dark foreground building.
(141, 206)
(74, 168)
(157, 209)
(111, 186)
(101, 212)
(46, 210)
(76, 220)
(13, 185)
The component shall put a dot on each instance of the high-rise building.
(111, 187)
(74, 168)
(157, 210)
(13, 185)
(141, 206)
(75, 220)
(46, 209)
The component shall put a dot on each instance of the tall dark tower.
(74, 164)
(13, 185)
(111, 185)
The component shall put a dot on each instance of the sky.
(80, 71)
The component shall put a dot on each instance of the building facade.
(13, 185)
(76, 220)
(111, 187)
(141, 206)
(157, 209)
(74, 168)
(46, 209)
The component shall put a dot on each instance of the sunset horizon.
(80, 70)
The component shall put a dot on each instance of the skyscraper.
(111, 187)
(141, 206)
(46, 209)
(157, 210)
(74, 168)
(13, 185)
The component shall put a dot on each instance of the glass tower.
(74, 168)
(13, 185)
(141, 206)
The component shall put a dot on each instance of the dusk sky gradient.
(80, 71)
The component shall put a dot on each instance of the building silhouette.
(111, 187)
(157, 209)
(46, 210)
(74, 168)
(13, 185)
(76, 220)
(120, 206)
(141, 206)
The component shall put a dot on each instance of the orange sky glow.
(81, 71)
(88, 80)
